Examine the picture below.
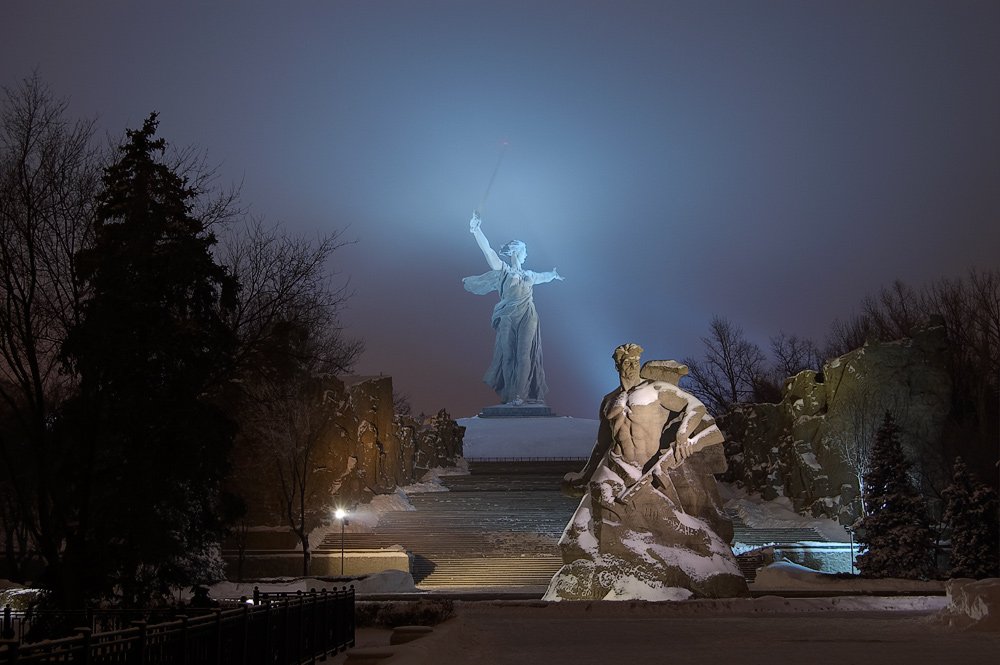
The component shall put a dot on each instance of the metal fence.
(297, 628)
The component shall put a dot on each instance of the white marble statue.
(516, 372)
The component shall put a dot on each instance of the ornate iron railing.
(277, 631)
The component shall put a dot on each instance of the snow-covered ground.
(785, 576)
(777, 513)
(818, 631)
(528, 437)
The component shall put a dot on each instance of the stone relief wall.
(362, 449)
(802, 446)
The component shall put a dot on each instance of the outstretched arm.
(492, 258)
(542, 277)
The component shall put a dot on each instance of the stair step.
(500, 526)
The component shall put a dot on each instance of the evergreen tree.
(895, 532)
(150, 350)
(970, 510)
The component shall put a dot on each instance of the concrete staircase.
(497, 527)
(750, 561)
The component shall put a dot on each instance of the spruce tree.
(970, 510)
(895, 531)
(150, 350)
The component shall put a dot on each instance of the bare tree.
(733, 369)
(865, 410)
(401, 404)
(293, 416)
(896, 311)
(792, 354)
(49, 172)
(287, 321)
(969, 309)
(288, 280)
(845, 336)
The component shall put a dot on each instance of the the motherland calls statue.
(650, 524)
(516, 372)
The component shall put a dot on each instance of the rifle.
(707, 436)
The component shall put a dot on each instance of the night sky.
(771, 162)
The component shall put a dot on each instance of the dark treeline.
(909, 506)
(734, 370)
(143, 315)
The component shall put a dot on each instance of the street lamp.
(341, 515)
(849, 528)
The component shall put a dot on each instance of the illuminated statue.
(650, 525)
(516, 372)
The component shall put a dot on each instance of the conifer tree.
(150, 350)
(970, 510)
(895, 532)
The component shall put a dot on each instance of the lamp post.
(341, 515)
(849, 528)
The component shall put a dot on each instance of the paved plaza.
(811, 632)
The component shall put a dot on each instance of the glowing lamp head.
(340, 513)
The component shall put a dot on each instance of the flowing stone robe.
(516, 370)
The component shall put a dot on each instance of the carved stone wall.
(796, 448)
(363, 449)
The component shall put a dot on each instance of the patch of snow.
(642, 395)
(630, 588)
(461, 468)
(693, 564)
(810, 460)
(425, 487)
(431, 480)
(787, 576)
(777, 513)
(973, 604)
(18, 597)
(364, 518)
(741, 548)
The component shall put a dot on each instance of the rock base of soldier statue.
(526, 410)
(644, 549)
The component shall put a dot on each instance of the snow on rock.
(973, 604)
(15, 595)
(630, 588)
(431, 481)
(460, 468)
(786, 575)
(648, 552)
(782, 576)
(364, 518)
(777, 513)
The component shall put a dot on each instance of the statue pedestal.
(516, 411)
(528, 438)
